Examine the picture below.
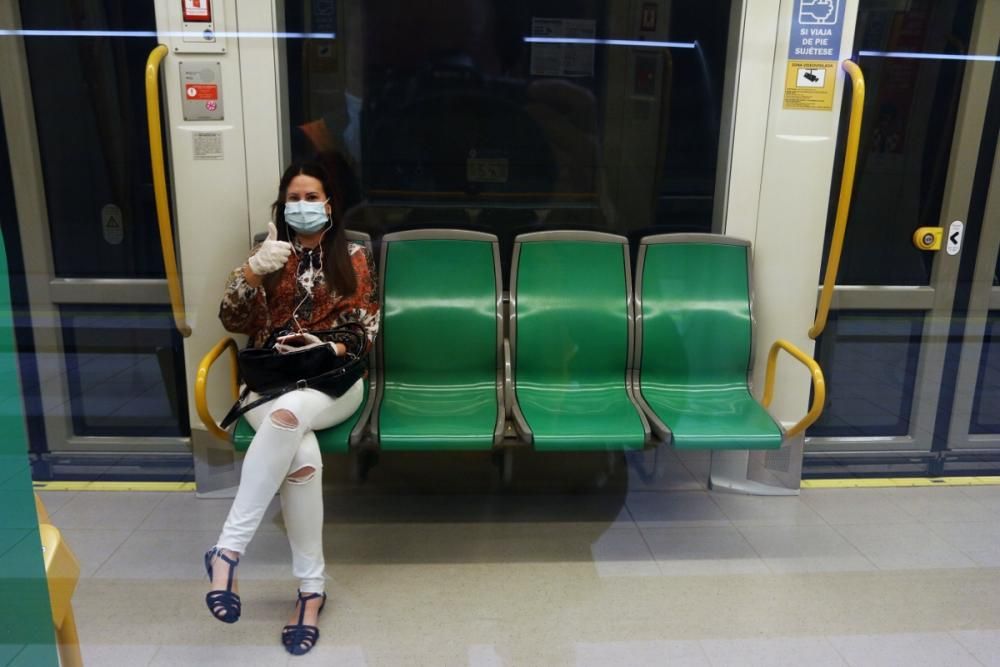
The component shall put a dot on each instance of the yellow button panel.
(928, 238)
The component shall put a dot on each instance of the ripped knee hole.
(284, 419)
(302, 475)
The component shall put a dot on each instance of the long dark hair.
(337, 268)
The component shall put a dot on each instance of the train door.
(106, 366)
(103, 368)
(911, 352)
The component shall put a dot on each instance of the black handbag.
(270, 373)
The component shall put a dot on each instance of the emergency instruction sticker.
(813, 51)
(207, 145)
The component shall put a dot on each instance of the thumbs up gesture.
(271, 255)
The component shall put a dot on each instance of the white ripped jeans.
(277, 451)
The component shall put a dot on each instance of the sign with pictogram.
(813, 51)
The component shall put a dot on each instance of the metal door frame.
(937, 298)
(984, 298)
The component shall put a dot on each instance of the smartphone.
(293, 340)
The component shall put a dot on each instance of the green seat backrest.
(695, 301)
(439, 318)
(572, 312)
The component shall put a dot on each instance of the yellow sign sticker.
(809, 85)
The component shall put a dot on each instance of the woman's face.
(307, 188)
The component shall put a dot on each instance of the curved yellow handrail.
(201, 385)
(844, 202)
(160, 187)
(819, 384)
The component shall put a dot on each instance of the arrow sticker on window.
(955, 237)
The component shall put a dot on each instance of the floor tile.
(462, 543)
(117, 511)
(787, 549)
(978, 541)
(184, 511)
(622, 552)
(942, 504)
(328, 654)
(117, 655)
(759, 511)
(903, 546)
(778, 652)
(168, 554)
(987, 496)
(221, 656)
(984, 645)
(698, 550)
(651, 653)
(53, 500)
(92, 547)
(484, 655)
(856, 506)
(904, 650)
(687, 508)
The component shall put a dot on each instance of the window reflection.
(445, 114)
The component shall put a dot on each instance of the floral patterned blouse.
(302, 293)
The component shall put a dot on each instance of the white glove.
(271, 255)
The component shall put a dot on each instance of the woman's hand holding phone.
(296, 341)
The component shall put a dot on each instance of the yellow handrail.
(201, 384)
(844, 202)
(819, 384)
(160, 187)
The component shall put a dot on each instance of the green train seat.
(570, 335)
(441, 343)
(694, 333)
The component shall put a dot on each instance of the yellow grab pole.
(844, 202)
(160, 188)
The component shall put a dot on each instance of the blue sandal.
(299, 639)
(224, 605)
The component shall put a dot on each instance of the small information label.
(813, 51)
(564, 59)
(479, 170)
(207, 145)
(809, 85)
(112, 225)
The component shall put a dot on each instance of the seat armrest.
(201, 384)
(818, 382)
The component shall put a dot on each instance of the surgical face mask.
(306, 217)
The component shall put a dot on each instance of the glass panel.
(125, 371)
(90, 110)
(455, 117)
(910, 109)
(985, 413)
(870, 364)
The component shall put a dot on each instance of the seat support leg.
(772, 472)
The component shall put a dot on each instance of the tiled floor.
(659, 572)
